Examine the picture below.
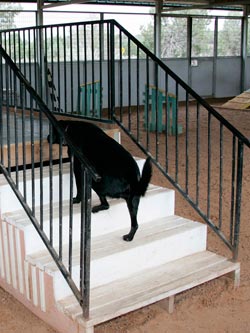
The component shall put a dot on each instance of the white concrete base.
(167, 256)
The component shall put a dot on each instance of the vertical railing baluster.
(112, 70)
(70, 238)
(24, 63)
(138, 94)
(187, 143)
(65, 70)
(41, 166)
(8, 119)
(109, 81)
(30, 61)
(23, 138)
(32, 155)
(78, 71)
(85, 241)
(13, 47)
(40, 46)
(129, 85)
(176, 134)
(60, 197)
(101, 59)
(93, 70)
(53, 101)
(51, 188)
(221, 173)
(13, 91)
(238, 199)
(85, 67)
(209, 165)
(147, 103)
(46, 60)
(156, 129)
(167, 118)
(121, 77)
(36, 69)
(197, 153)
(2, 159)
(232, 212)
(58, 70)
(72, 79)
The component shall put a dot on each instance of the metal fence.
(41, 180)
(188, 140)
(68, 65)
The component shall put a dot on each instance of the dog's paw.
(76, 200)
(128, 237)
(98, 208)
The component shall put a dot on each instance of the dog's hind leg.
(78, 178)
(133, 204)
(103, 206)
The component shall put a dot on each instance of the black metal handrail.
(168, 92)
(163, 116)
(21, 128)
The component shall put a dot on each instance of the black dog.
(120, 175)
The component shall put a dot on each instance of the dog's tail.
(145, 178)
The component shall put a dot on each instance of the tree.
(147, 35)
(7, 15)
(174, 37)
(202, 37)
(229, 41)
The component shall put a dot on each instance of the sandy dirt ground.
(213, 307)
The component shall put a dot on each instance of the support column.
(39, 18)
(42, 74)
(158, 11)
(244, 47)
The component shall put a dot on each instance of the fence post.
(112, 70)
(238, 200)
(85, 241)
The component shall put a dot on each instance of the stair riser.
(123, 264)
(156, 204)
(9, 202)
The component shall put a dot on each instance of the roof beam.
(64, 3)
(218, 4)
(229, 2)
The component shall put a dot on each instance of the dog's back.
(107, 155)
(120, 175)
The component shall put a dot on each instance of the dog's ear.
(53, 137)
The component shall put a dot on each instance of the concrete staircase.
(167, 256)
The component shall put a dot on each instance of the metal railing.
(44, 188)
(189, 141)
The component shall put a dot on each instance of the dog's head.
(54, 136)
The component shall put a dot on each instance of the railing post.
(112, 70)
(238, 200)
(85, 242)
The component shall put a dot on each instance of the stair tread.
(125, 295)
(20, 217)
(112, 243)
